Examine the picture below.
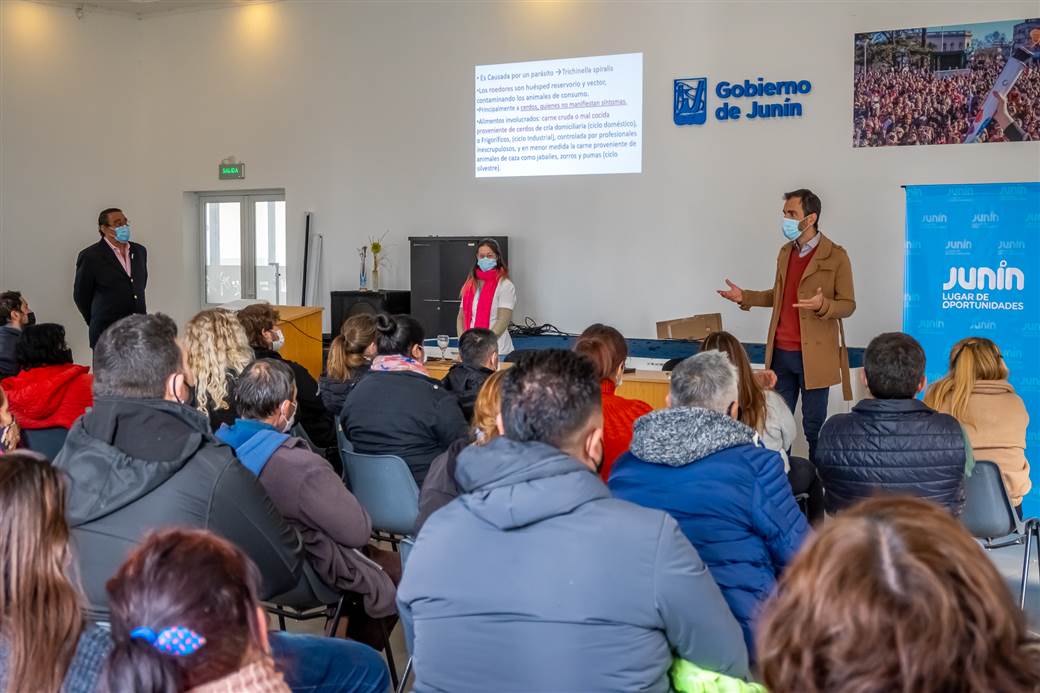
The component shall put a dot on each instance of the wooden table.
(301, 326)
(649, 386)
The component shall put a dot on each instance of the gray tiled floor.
(1009, 562)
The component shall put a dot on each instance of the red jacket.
(619, 414)
(49, 396)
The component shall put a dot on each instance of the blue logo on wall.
(690, 105)
(747, 100)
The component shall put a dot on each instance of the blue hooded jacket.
(253, 441)
(730, 497)
(535, 579)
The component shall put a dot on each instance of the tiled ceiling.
(147, 8)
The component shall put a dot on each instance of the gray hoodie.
(536, 580)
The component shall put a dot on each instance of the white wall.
(363, 112)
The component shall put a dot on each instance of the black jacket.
(403, 413)
(465, 382)
(892, 446)
(334, 392)
(440, 487)
(8, 339)
(140, 465)
(102, 290)
(318, 423)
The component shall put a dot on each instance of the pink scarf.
(394, 363)
(487, 295)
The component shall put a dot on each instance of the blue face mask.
(790, 229)
(486, 264)
(123, 233)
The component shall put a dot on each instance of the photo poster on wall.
(955, 84)
(973, 270)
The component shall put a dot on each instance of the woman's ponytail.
(135, 665)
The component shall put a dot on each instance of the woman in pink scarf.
(488, 296)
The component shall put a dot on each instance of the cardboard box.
(693, 327)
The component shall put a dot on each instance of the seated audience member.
(536, 579)
(46, 643)
(44, 635)
(478, 351)
(350, 357)
(50, 391)
(440, 488)
(260, 322)
(398, 409)
(893, 443)
(14, 316)
(144, 458)
(977, 393)
(217, 350)
(310, 495)
(765, 412)
(186, 616)
(608, 351)
(729, 494)
(894, 595)
(10, 434)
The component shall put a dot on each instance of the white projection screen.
(559, 117)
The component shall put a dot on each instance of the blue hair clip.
(176, 640)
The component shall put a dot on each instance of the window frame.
(246, 200)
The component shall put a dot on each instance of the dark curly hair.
(42, 345)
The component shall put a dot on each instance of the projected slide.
(560, 117)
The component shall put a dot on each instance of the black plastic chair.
(990, 517)
(46, 441)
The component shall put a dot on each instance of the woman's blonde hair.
(347, 351)
(971, 360)
(214, 344)
(488, 406)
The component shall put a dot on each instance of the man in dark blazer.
(110, 275)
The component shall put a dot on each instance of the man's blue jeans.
(316, 664)
(790, 382)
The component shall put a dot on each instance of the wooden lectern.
(301, 326)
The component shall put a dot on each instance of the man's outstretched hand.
(813, 304)
(733, 293)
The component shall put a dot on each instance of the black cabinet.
(439, 268)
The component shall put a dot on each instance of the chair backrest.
(988, 513)
(384, 486)
(46, 441)
(344, 446)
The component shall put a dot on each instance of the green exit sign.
(232, 171)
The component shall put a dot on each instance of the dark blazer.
(102, 290)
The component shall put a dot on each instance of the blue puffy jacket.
(730, 497)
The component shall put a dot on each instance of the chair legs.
(389, 655)
(332, 627)
(404, 677)
(281, 622)
(1032, 530)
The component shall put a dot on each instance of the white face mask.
(291, 421)
(279, 341)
